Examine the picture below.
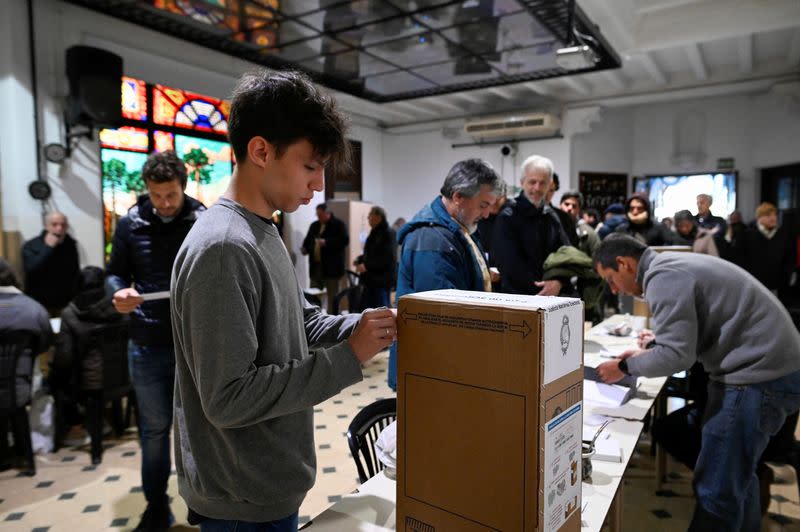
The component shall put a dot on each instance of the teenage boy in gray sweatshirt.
(252, 356)
(710, 310)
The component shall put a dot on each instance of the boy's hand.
(376, 331)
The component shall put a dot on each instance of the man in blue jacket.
(145, 244)
(439, 250)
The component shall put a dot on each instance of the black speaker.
(95, 87)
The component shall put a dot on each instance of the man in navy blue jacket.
(145, 244)
(439, 250)
(527, 232)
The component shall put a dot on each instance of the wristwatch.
(623, 366)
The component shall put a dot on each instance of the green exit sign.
(725, 163)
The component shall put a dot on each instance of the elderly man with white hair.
(51, 264)
(527, 232)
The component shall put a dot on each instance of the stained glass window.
(208, 163)
(134, 99)
(179, 108)
(123, 151)
(256, 23)
(126, 138)
(164, 141)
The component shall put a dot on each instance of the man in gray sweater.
(710, 310)
(252, 357)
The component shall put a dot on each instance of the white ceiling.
(673, 47)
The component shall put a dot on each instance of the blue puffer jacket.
(436, 254)
(143, 251)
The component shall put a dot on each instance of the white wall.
(146, 54)
(757, 130)
(727, 135)
(608, 147)
(17, 137)
(416, 163)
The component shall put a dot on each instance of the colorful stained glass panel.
(125, 138)
(174, 107)
(208, 163)
(134, 99)
(163, 141)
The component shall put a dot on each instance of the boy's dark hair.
(592, 212)
(89, 278)
(617, 245)
(283, 108)
(164, 166)
(7, 277)
(322, 207)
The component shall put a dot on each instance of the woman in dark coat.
(78, 367)
(377, 264)
(641, 225)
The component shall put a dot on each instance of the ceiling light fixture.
(577, 55)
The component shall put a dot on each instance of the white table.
(372, 507)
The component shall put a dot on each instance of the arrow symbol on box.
(523, 328)
(407, 316)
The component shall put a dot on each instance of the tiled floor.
(68, 494)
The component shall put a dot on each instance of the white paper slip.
(152, 296)
(604, 394)
(607, 450)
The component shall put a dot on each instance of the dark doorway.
(347, 184)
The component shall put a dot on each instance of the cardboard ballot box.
(489, 410)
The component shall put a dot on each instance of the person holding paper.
(143, 249)
(253, 357)
(707, 309)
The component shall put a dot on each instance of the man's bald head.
(56, 223)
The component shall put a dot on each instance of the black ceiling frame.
(426, 29)
(551, 14)
(467, 52)
(359, 25)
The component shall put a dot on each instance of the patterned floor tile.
(66, 484)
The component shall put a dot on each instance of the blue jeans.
(153, 376)
(392, 373)
(739, 421)
(287, 524)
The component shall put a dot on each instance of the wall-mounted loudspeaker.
(95, 93)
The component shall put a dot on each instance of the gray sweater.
(245, 380)
(709, 309)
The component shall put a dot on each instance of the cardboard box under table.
(489, 411)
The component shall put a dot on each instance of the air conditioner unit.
(515, 126)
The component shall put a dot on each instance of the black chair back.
(354, 293)
(364, 431)
(16, 369)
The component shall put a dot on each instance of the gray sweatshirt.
(708, 309)
(245, 380)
